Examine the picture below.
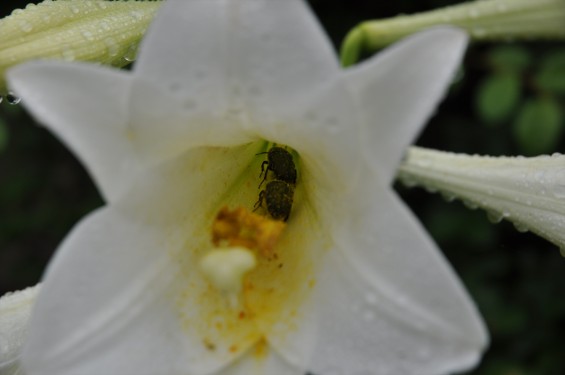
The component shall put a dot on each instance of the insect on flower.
(278, 195)
(280, 162)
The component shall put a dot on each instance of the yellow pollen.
(240, 227)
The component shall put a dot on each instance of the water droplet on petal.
(136, 15)
(105, 26)
(494, 217)
(470, 205)
(88, 35)
(112, 47)
(449, 197)
(408, 182)
(26, 27)
(131, 53)
(520, 227)
(13, 99)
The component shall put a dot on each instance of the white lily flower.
(356, 286)
(528, 192)
(15, 310)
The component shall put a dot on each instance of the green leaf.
(538, 126)
(497, 97)
(551, 75)
(509, 58)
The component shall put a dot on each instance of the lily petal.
(88, 113)
(276, 47)
(393, 298)
(15, 310)
(246, 57)
(261, 360)
(400, 88)
(139, 287)
(528, 192)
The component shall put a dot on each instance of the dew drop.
(15, 12)
(520, 227)
(26, 27)
(13, 99)
(131, 53)
(112, 47)
(75, 9)
(102, 5)
(494, 217)
(88, 35)
(136, 15)
(409, 182)
(449, 197)
(105, 26)
(470, 205)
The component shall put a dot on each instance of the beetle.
(278, 197)
(280, 162)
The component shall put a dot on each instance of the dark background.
(517, 279)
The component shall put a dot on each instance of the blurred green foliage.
(538, 126)
(509, 100)
(524, 90)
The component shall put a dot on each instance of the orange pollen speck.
(241, 227)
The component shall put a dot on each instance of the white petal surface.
(223, 45)
(261, 360)
(400, 88)
(226, 60)
(115, 313)
(387, 301)
(123, 294)
(86, 106)
(529, 192)
(15, 310)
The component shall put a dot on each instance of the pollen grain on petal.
(240, 227)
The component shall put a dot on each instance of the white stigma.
(226, 268)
